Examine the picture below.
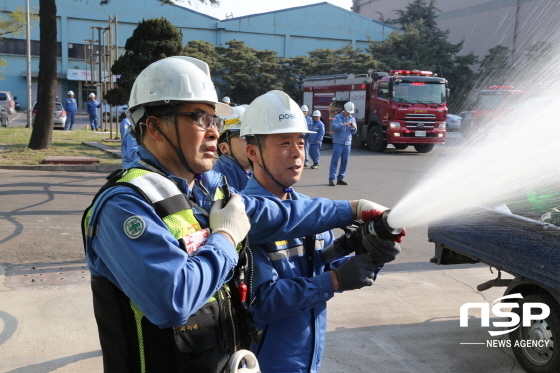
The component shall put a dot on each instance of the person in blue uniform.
(71, 108)
(316, 139)
(128, 144)
(343, 127)
(293, 278)
(160, 242)
(92, 106)
(233, 162)
(305, 110)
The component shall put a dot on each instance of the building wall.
(483, 24)
(289, 32)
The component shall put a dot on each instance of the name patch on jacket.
(194, 241)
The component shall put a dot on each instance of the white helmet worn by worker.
(171, 80)
(316, 113)
(226, 100)
(304, 108)
(272, 113)
(70, 93)
(349, 107)
(92, 94)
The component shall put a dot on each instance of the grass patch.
(14, 150)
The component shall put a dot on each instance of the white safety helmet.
(272, 113)
(333, 99)
(349, 107)
(226, 100)
(316, 113)
(173, 79)
(233, 122)
(304, 108)
(92, 94)
(70, 93)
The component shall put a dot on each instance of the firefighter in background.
(316, 139)
(71, 108)
(226, 100)
(233, 162)
(294, 278)
(334, 109)
(160, 246)
(305, 111)
(344, 127)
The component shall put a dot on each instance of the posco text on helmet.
(272, 113)
(174, 80)
(349, 107)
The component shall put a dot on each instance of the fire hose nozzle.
(380, 227)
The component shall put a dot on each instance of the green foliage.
(204, 51)
(245, 73)
(16, 22)
(153, 40)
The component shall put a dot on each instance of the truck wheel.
(424, 148)
(375, 141)
(400, 146)
(357, 141)
(538, 359)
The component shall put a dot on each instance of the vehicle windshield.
(419, 92)
(499, 100)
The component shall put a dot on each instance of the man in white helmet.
(293, 278)
(92, 106)
(71, 108)
(233, 162)
(305, 111)
(315, 140)
(344, 127)
(161, 246)
(226, 100)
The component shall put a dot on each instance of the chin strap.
(285, 188)
(178, 149)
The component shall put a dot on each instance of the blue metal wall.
(289, 32)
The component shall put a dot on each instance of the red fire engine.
(402, 107)
(491, 104)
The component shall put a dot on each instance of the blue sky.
(244, 7)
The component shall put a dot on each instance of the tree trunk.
(41, 136)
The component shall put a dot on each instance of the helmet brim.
(223, 110)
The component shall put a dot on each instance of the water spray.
(380, 227)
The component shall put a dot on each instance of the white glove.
(367, 210)
(231, 219)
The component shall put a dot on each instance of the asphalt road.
(407, 322)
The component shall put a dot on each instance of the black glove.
(356, 272)
(346, 244)
(382, 250)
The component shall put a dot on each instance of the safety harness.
(176, 211)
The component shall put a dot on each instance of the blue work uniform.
(92, 106)
(308, 120)
(288, 302)
(315, 140)
(342, 140)
(150, 268)
(236, 176)
(128, 144)
(71, 108)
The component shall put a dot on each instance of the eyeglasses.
(203, 120)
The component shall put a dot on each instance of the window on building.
(383, 90)
(18, 47)
(76, 50)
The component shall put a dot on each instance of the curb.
(108, 168)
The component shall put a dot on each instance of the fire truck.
(402, 107)
(492, 104)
